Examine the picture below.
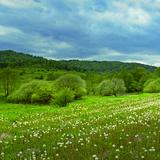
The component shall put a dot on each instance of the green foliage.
(51, 76)
(157, 72)
(135, 79)
(8, 80)
(138, 73)
(152, 86)
(63, 97)
(32, 92)
(93, 79)
(118, 86)
(111, 87)
(73, 82)
(104, 88)
(93, 72)
(129, 81)
(14, 59)
(40, 77)
(141, 75)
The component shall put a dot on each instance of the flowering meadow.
(94, 128)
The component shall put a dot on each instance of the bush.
(63, 97)
(32, 92)
(152, 86)
(111, 87)
(39, 77)
(73, 82)
(104, 88)
(51, 76)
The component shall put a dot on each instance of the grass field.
(95, 128)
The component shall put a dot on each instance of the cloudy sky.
(124, 30)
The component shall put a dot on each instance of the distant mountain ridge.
(16, 59)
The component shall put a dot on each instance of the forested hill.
(14, 59)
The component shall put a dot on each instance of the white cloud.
(141, 57)
(85, 27)
(106, 54)
(36, 42)
(4, 30)
(77, 2)
(45, 45)
(124, 16)
(109, 52)
(138, 57)
(48, 42)
(19, 3)
(127, 15)
(138, 16)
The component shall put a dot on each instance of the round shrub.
(23, 94)
(118, 86)
(51, 76)
(32, 92)
(111, 87)
(63, 97)
(152, 86)
(73, 82)
(104, 88)
(35, 98)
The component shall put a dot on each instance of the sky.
(112, 30)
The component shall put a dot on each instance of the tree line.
(13, 59)
(62, 87)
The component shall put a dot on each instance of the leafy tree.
(105, 88)
(8, 79)
(93, 79)
(51, 76)
(110, 87)
(141, 75)
(138, 73)
(63, 97)
(129, 81)
(32, 92)
(118, 86)
(157, 72)
(73, 82)
(152, 86)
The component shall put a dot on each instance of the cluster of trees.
(63, 90)
(32, 92)
(60, 87)
(19, 60)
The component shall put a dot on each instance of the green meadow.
(93, 128)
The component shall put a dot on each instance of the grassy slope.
(93, 128)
